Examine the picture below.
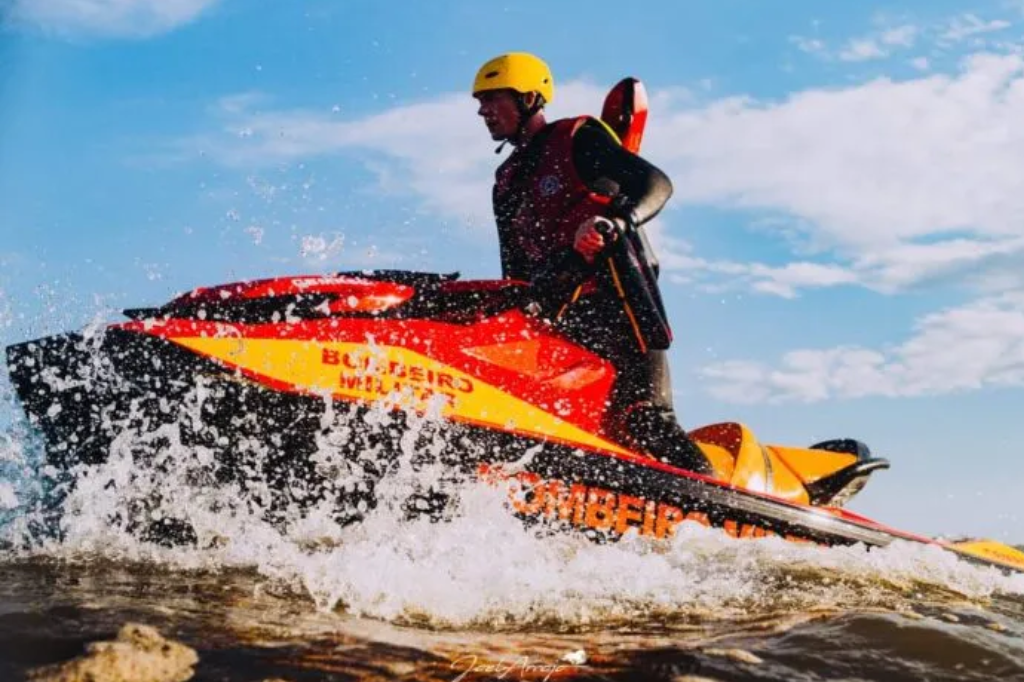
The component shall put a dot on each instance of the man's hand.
(590, 236)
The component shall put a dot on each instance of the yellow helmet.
(519, 71)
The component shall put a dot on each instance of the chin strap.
(525, 114)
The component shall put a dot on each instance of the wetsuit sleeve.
(603, 164)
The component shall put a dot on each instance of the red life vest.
(541, 200)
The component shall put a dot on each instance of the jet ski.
(265, 361)
(279, 366)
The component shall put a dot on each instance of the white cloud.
(900, 36)
(784, 281)
(862, 49)
(674, 254)
(888, 38)
(720, 275)
(438, 151)
(888, 183)
(130, 18)
(958, 349)
(968, 25)
(880, 44)
(904, 265)
(866, 168)
(901, 182)
(988, 265)
(809, 45)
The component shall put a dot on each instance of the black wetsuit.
(641, 412)
(601, 161)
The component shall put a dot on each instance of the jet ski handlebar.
(556, 282)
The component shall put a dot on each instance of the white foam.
(482, 568)
(8, 497)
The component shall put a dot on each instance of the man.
(562, 195)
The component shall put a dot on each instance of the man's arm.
(643, 189)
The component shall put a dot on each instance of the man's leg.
(650, 420)
(641, 413)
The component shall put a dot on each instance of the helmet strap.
(526, 112)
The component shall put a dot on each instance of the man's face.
(499, 111)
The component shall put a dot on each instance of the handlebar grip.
(608, 228)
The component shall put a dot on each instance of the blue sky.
(843, 254)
